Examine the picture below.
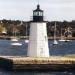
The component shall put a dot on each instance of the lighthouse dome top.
(38, 8)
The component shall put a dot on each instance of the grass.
(70, 56)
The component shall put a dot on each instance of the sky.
(54, 10)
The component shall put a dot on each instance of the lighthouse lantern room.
(38, 14)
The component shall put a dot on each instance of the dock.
(33, 63)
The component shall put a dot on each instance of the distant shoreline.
(27, 37)
(67, 38)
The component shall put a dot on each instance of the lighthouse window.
(35, 13)
(41, 13)
(38, 13)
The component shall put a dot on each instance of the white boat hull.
(14, 39)
(62, 40)
(55, 42)
(67, 40)
(16, 44)
(26, 41)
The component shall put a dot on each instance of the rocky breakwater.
(29, 63)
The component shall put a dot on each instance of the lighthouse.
(38, 41)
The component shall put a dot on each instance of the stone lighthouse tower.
(38, 41)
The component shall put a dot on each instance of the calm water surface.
(62, 48)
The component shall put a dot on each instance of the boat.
(62, 38)
(67, 40)
(26, 40)
(55, 42)
(14, 39)
(16, 44)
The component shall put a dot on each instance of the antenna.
(38, 2)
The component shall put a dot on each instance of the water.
(36, 73)
(62, 49)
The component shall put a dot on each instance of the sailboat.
(26, 40)
(15, 40)
(16, 44)
(62, 38)
(55, 42)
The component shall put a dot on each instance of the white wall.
(38, 42)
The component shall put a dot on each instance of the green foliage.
(21, 28)
(70, 56)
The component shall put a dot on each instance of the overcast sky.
(22, 9)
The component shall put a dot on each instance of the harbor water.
(63, 48)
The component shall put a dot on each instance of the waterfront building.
(38, 41)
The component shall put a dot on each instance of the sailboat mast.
(55, 31)
(26, 29)
(61, 33)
